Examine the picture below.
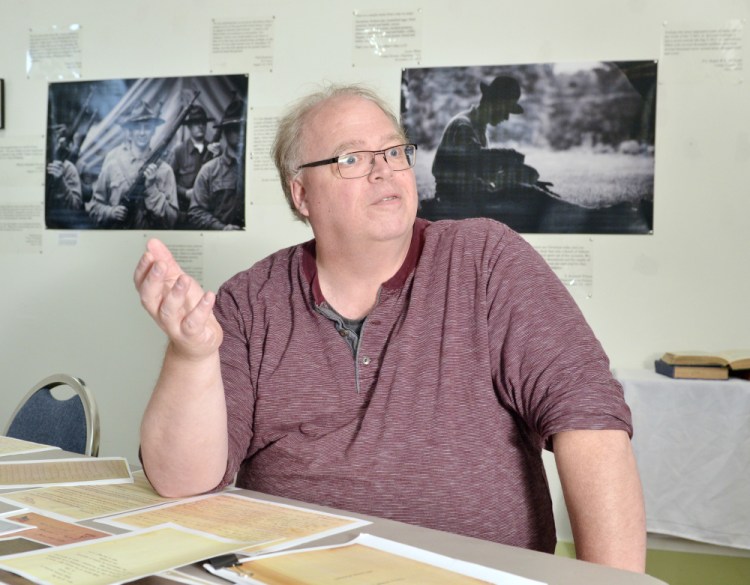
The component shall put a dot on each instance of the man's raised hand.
(177, 303)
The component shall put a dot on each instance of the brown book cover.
(691, 372)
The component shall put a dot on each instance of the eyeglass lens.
(359, 164)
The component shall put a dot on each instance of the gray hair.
(287, 147)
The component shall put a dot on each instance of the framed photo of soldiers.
(544, 148)
(162, 153)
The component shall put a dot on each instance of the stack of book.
(702, 365)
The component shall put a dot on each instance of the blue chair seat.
(70, 423)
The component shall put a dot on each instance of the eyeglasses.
(354, 165)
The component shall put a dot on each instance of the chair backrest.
(71, 423)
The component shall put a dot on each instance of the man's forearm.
(184, 428)
(604, 497)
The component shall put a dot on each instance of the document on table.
(49, 472)
(54, 532)
(11, 446)
(366, 560)
(9, 526)
(117, 559)
(261, 525)
(88, 502)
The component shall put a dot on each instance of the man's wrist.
(186, 356)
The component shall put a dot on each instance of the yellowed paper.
(22, 474)
(354, 564)
(257, 523)
(89, 501)
(117, 559)
(367, 560)
(55, 532)
(11, 446)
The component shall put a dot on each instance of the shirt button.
(366, 361)
(342, 332)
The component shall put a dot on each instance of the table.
(543, 567)
(550, 569)
(692, 443)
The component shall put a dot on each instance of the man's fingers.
(197, 321)
(154, 287)
(142, 268)
(159, 250)
(173, 305)
(176, 302)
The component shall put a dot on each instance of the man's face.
(141, 133)
(197, 130)
(378, 207)
(499, 112)
(232, 134)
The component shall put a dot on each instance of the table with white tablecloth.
(692, 443)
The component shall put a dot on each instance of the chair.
(70, 423)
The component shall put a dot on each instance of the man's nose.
(380, 166)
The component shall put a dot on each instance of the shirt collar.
(310, 269)
(134, 154)
(229, 159)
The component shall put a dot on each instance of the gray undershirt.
(349, 329)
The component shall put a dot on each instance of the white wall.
(73, 308)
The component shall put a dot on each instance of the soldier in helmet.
(188, 157)
(152, 204)
(219, 193)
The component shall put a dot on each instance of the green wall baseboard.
(681, 568)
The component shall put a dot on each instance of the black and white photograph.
(544, 148)
(2, 104)
(163, 153)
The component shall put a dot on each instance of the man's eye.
(349, 159)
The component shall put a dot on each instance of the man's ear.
(299, 196)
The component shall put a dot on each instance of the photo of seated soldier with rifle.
(543, 148)
(466, 170)
(136, 188)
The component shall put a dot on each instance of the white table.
(692, 442)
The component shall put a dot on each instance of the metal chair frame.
(88, 401)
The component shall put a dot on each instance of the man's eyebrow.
(349, 146)
(355, 145)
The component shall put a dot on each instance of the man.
(466, 170)
(63, 202)
(391, 366)
(219, 190)
(188, 157)
(130, 193)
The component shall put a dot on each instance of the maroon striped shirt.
(473, 357)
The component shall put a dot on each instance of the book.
(691, 372)
(734, 359)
